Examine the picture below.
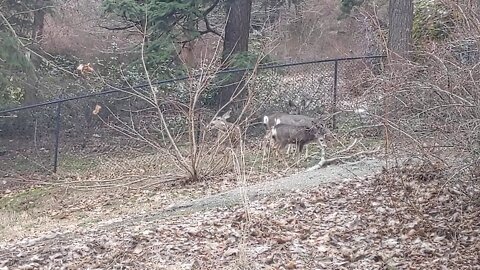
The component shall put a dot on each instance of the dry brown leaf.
(291, 265)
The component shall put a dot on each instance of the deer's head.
(220, 122)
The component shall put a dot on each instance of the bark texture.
(400, 13)
(237, 32)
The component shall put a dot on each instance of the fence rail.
(112, 90)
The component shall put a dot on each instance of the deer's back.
(295, 120)
(269, 120)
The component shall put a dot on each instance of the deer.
(300, 135)
(294, 118)
(225, 128)
(284, 118)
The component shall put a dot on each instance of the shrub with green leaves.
(13, 61)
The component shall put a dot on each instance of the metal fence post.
(335, 82)
(57, 136)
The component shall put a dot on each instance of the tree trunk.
(236, 41)
(400, 14)
(31, 95)
(38, 20)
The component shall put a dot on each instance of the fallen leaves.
(360, 224)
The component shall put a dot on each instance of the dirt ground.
(58, 223)
(338, 217)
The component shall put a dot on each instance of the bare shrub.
(182, 129)
(431, 106)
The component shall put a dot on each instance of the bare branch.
(118, 27)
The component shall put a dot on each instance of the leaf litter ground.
(401, 219)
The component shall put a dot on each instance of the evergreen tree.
(168, 23)
(20, 24)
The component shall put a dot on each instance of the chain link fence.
(98, 123)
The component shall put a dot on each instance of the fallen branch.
(324, 162)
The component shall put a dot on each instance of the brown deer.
(286, 134)
(225, 129)
(294, 118)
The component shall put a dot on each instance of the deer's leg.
(220, 143)
(281, 153)
(275, 147)
(280, 147)
(300, 146)
(267, 144)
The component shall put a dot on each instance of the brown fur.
(225, 128)
(284, 134)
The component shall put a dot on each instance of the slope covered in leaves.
(408, 219)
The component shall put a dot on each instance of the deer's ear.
(227, 115)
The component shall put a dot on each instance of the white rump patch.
(274, 132)
(265, 120)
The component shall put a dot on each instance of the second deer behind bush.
(226, 131)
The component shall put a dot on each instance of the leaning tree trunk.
(235, 42)
(400, 14)
(38, 20)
